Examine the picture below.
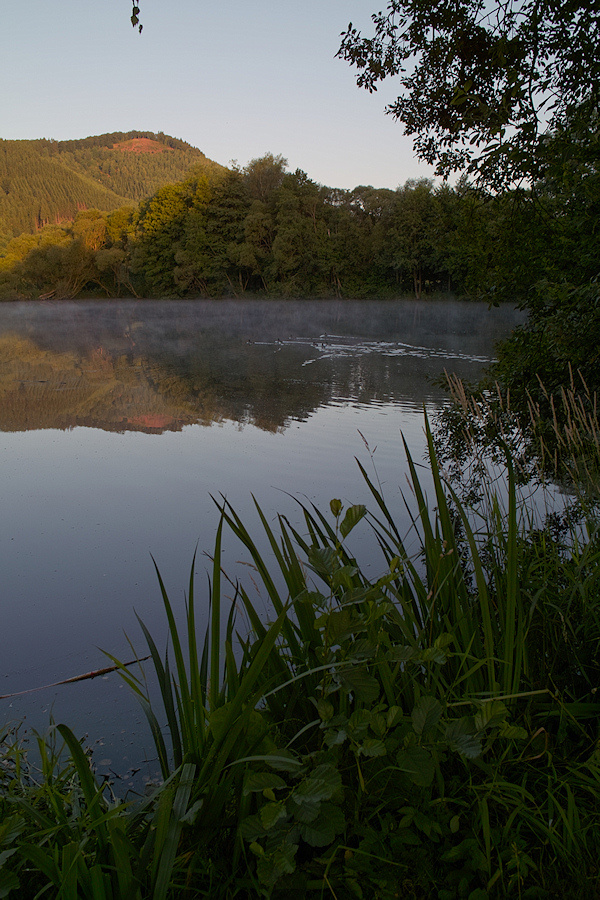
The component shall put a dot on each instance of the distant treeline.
(265, 230)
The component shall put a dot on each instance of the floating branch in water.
(94, 674)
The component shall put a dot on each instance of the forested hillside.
(263, 229)
(47, 182)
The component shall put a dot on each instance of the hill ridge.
(44, 181)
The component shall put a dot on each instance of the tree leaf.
(462, 737)
(271, 813)
(324, 829)
(336, 507)
(490, 714)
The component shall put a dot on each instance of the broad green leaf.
(273, 865)
(363, 648)
(443, 641)
(379, 724)
(514, 732)
(271, 813)
(358, 681)
(463, 738)
(255, 727)
(341, 624)
(323, 560)
(418, 764)
(322, 784)
(490, 714)
(343, 578)
(426, 714)
(373, 747)
(394, 716)
(323, 830)
(402, 654)
(434, 655)
(353, 516)
(11, 828)
(335, 738)
(306, 812)
(252, 828)
(255, 782)
(325, 709)
(358, 723)
(336, 507)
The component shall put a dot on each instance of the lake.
(119, 421)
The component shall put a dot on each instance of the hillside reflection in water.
(106, 458)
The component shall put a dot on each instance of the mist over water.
(119, 421)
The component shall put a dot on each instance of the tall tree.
(412, 233)
(482, 81)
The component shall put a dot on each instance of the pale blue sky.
(235, 78)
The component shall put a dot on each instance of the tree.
(412, 232)
(482, 81)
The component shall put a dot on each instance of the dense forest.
(263, 229)
(48, 182)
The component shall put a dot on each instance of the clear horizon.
(236, 84)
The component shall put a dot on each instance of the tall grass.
(64, 835)
(426, 698)
(430, 732)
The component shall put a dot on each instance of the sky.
(236, 79)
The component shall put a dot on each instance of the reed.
(431, 730)
(434, 679)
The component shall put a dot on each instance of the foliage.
(64, 835)
(556, 439)
(429, 714)
(43, 181)
(93, 252)
(430, 730)
(481, 84)
(260, 229)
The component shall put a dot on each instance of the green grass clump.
(431, 732)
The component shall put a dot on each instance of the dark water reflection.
(154, 367)
(107, 457)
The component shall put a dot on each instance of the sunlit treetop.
(482, 82)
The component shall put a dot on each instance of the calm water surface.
(119, 420)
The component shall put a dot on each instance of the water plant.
(372, 719)
(62, 834)
(430, 731)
